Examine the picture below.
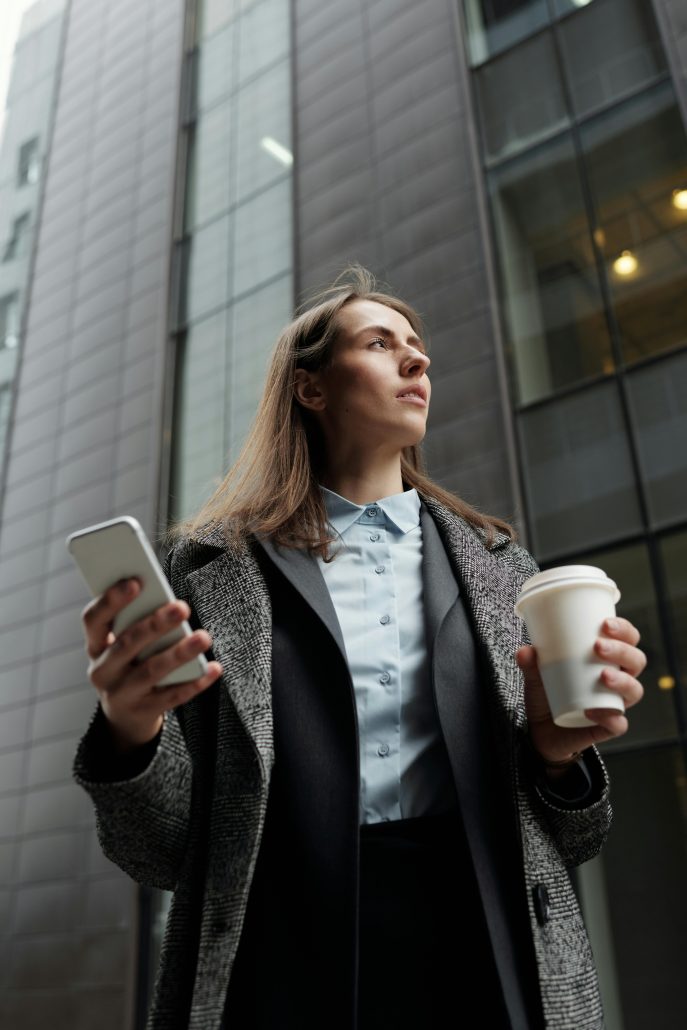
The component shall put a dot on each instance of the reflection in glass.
(208, 285)
(578, 474)
(264, 37)
(257, 322)
(654, 718)
(199, 429)
(262, 242)
(493, 25)
(674, 557)
(658, 395)
(636, 156)
(215, 67)
(556, 331)
(638, 882)
(520, 98)
(610, 50)
(263, 115)
(208, 179)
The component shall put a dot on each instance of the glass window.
(207, 286)
(634, 895)
(636, 157)
(673, 550)
(208, 190)
(655, 717)
(257, 322)
(262, 243)
(9, 320)
(658, 395)
(578, 474)
(555, 325)
(264, 131)
(264, 37)
(493, 25)
(29, 163)
(520, 98)
(200, 416)
(212, 15)
(215, 67)
(17, 245)
(610, 49)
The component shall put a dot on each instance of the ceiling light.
(277, 150)
(626, 264)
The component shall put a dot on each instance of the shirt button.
(380, 568)
(384, 677)
(383, 750)
(384, 619)
(372, 512)
(374, 536)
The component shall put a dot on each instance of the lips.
(419, 392)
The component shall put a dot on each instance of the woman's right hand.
(128, 692)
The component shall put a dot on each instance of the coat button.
(542, 905)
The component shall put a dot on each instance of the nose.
(416, 362)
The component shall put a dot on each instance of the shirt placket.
(382, 748)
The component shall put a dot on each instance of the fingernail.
(612, 624)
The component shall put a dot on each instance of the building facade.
(515, 169)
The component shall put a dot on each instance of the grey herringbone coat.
(191, 821)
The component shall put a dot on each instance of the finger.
(626, 656)
(98, 615)
(612, 723)
(622, 629)
(167, 698)
(145, 677)
(629, 688)
(109, 672)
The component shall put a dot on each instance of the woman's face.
(376, 357)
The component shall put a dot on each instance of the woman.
(363, 808)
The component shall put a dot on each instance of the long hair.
(273, 487)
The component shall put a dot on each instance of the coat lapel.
(304, 573)
(489, 591)
(232, 601)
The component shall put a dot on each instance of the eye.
(378, 339)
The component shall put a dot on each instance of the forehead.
(358, 314)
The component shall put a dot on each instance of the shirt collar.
(401, 510)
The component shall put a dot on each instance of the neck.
(364, 487)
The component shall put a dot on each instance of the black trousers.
(424, 950)
(425, 953)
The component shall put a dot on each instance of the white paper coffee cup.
(564, 609)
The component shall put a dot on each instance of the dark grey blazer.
(192, 820)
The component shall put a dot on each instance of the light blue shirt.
(375, 582)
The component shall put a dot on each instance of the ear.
(307, 390)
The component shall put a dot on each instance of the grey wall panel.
(386, 176)
(83, 448)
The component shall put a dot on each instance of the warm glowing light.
(277, 150)
(680, 199)
(626, 264)
(600, 238)
(666, 682)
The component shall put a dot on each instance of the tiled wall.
(85, 446)
(385, 175)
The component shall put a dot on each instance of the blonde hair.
(273, 487)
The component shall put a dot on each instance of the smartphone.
(120, 549)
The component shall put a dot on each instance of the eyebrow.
(383, 331)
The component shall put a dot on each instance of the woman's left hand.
(557, 743)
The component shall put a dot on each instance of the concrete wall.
(85, 446)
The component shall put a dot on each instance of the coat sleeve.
(142, 801)
(578, 828)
